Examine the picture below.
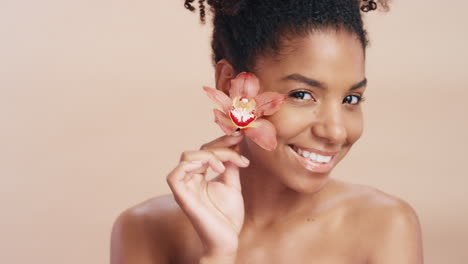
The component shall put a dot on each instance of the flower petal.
(263, 133)
(219, 97)
(268, 103)
(244, 85)
(224, 122)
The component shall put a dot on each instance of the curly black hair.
(245, 29)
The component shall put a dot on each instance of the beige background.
(99, 97)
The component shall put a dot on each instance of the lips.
(314, 160)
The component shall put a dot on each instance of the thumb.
(231, 175)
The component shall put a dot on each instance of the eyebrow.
(359, 85)
(315, 83)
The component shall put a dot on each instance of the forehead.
(329, 56)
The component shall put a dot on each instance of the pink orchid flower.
(244, 107)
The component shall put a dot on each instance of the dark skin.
(273, 208)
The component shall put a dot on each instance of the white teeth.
(321, 158)
(326, 158)
(313, 156)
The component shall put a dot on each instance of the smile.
(313, 160)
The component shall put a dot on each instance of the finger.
(225, 141)
(200, 170)
(231, 176)
(194, 178)
(236, 148)
(205, 157)
(216, 157)
(180, 171)
(225, 155)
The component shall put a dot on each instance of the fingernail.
(236, 133)
(245, 160)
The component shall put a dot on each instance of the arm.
(399, 238)
(132, 243)
(141, 235)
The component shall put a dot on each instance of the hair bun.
(219, 7)
(371, 5)
(227, 7)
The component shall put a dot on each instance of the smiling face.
(323, 77)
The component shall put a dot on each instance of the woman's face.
(323, 77)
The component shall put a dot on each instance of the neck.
(268, 201)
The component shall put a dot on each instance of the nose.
(329, 124)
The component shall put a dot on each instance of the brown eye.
(352, 99)
(302, 95)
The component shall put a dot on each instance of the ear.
(224, 72)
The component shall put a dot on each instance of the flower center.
(242, 111)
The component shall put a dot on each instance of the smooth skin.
(265, 207)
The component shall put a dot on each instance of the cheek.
(291, 121)
(354, 127)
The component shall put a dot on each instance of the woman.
(278, 205)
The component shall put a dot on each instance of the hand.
(215, 208)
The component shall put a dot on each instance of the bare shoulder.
(369, 203)
(147, 232)
(380, 206)
(158, 209)
(389, 225)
